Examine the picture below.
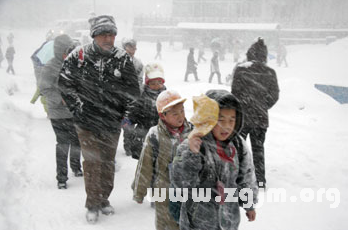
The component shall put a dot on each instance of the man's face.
(131, 50)
(175, 116)
(105, 41)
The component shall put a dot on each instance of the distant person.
(10, 52)
(59, 114)
(130, 46)
(10, 38)
(214, 67)
(201, 53)
(281, 55)
(97, 81)
(256, 86)
(158, 50)
(191, 66)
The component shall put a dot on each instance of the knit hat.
(258, 51)
(167, 99)
(206, 115)
(102, 24)
(128, 42)
(153, 71)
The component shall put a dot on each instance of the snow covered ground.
(306, 146)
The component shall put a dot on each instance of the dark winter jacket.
(143, 114)
(191, 63)
(98, 86)
(205, 169)
(10, 52)
(256, 86)
(48, 80)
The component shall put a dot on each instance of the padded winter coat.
(156, 155)
(97, 87)
(206, 169)
(143, 115)
(256, 86)
(48, 83)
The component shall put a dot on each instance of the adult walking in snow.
(98, 80)
(130, 46)
(214, 67)
(9, 55)
(159, 50)
(59, 114)
(256, 86)
(191, 67)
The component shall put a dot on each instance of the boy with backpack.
(157, 153)
(215, 157)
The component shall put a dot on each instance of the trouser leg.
(219, 77)
(62, 151)
(62, 148)
(164, 220)
(108, 147)
(91, 167)
(211, 77)
(257, 138)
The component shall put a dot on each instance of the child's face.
(175, 116)
(155, 84)
(226, 123)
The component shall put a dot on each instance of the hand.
(251, 215)
(195, 142)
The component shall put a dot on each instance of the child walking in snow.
(143, 112)
(214, 156)
(157, 153)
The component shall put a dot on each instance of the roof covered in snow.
(228, 26)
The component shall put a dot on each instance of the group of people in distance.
(96, 90)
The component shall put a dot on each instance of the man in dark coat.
(191, 65)
(256, 86)
(97, 81)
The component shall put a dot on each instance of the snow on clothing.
(58, 113)
(48, 81)
(143, 113)
(153, 171)
(256, 86)
(204, 170)
(97, 85)
(139, 70)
